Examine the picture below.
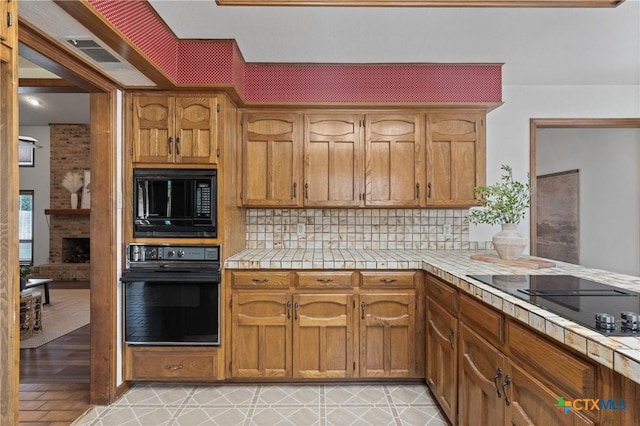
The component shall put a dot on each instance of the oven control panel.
(148, 253)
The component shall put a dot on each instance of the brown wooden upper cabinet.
(272, 154)
(379, 159)
(8, 18)
(455, 158)
(394, 171)
(333, 160)
(175, 129)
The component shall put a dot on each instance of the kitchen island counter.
(622, 354)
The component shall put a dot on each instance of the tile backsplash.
(376, 229)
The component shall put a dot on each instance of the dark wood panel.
(558, 216)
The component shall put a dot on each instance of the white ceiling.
(573, 46)
(538, 46)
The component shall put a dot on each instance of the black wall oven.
(172, 295)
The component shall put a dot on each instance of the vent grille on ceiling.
(93, 50)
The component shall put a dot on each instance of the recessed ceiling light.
(33, 101)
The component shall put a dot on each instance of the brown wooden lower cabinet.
(158, 363)
(325, 324)
(481, 377)
(313, 336)
(323, 336)
(442, 363)
(509, 374)
(495, 391)
(278, 335)
(387, 335)
(261, 330)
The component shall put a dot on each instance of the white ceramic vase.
(74, 200)
(509, 243)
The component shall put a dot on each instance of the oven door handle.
(165, 277)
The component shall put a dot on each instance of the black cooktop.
(607, 309)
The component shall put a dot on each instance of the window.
(25, 227)
(26, 156)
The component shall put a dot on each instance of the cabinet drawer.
(178, 365)
(260, 279)
(567, 374)
(389, 279)
(442, 293)
(326, 279)
(485, 321)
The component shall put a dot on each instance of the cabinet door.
(261, 335)
(333, 161)
(8, 19)
(387, 335)
(394, 170)
(323, 336)
(442, 371)
(196, 130)
(529, 402)
(153, 129)
(272, 160)
(482, 373)
(455, 158)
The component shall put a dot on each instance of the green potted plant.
(504, 203)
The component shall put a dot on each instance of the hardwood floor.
(54, 378)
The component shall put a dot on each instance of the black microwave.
(175, 203)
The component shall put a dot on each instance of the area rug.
(68, 311)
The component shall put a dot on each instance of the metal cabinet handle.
(495, 381)
(429, 190)
(507, 382)
(417, 191)
(451, 334)
(388, 280)
(295, 189)
(260, 280)
(306, 191)
(295, 311)
(178, 146)
(288, 310)
(324, 280)
(170, 145)
(174, 367)
(363, 307)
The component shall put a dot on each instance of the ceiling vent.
(93, 50)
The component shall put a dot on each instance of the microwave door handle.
(146, 199)
(140, 201)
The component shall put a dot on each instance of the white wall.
(508, 130)
(609, 164)
(37, 179)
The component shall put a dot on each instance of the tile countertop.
(621, 354)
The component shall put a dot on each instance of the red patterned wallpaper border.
(198, 62)
(373, 83)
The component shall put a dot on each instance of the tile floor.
(270, 405)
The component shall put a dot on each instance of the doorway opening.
(594, 164)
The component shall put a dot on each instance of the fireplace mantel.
(66, 212)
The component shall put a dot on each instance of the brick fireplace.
(69, 234)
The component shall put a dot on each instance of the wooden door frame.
(562, 123)
(9, 247)
(41, 49)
